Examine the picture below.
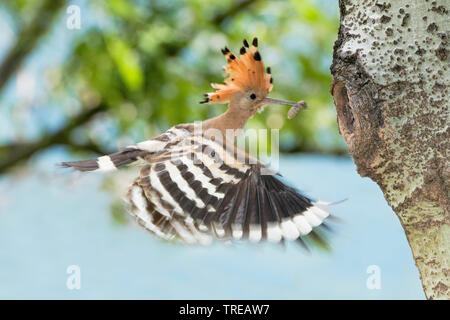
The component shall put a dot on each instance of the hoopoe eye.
(253, 96)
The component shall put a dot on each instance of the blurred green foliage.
(149, 63)
(152, 61)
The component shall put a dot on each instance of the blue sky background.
(48, 223)
(51, 218)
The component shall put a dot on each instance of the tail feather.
(109, 162)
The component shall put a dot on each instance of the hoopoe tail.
(108, 162)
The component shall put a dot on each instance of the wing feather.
(197, 194)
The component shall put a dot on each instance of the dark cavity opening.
(346, 120)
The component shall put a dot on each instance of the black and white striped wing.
(195, 191)
(134, 153)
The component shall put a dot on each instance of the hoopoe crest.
(193, 189)
(246, 76)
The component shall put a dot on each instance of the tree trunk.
(391, 92)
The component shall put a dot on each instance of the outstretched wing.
(133, 153)
(196, 190)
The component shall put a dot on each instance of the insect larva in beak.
(295, 109)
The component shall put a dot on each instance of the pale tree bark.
(391, 91)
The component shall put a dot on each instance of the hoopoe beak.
(277, 101)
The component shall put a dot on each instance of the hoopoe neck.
(233, 118)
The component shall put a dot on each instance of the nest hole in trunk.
(346, 118)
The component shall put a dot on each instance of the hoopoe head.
(247, 84)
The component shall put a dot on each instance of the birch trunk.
(391, 92)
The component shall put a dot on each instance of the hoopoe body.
(195, 185)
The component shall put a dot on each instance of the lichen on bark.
(391, 91)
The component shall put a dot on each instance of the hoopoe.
(195, 185)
